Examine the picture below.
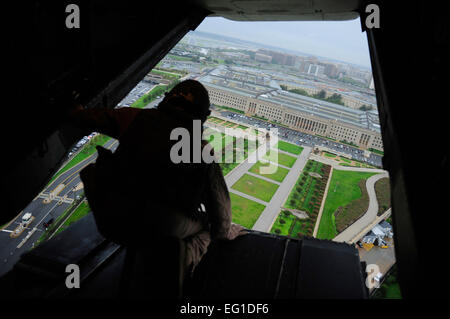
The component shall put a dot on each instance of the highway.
(64, 186)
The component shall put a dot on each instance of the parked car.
(47, 223)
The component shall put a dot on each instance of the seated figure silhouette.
(165, 213)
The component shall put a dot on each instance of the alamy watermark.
(236, 144)
(373, 18)
(73, 279)
(373, 276)
(73, 18)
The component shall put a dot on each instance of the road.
(64, 184)
(301, 138)
(270, 213)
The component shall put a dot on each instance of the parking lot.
(139, 90)
(300, 138)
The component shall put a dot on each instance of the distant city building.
(331, 70)
(278, 57)
(263, 58)
(315, 70)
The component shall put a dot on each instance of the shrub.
(277, 231)
(282, 221)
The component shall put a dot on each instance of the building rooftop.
(219, 78)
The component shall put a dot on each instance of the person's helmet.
(196, 96)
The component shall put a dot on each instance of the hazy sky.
(340, 40)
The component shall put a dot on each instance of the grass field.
(216, 139)
(283, 159)
(278, 176)
(166, 75)
(288, 147)
(150, 96)
(343, 189)
(245, 212)
(255, 187)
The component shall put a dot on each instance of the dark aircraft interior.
(49, 67)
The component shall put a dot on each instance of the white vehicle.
(26, 217)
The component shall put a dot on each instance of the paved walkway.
(322, 205)
(369, 216)
(264, 178)
(369, 227)
(231, 190)
(270, 213)
(344, 168)
(243, 168)
(275, 163)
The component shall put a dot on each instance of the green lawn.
(283, 159)
(216, 139)
(150, 96)
(245, 212)
(329, 154)
(166, 75)
(242, 127)
(376, 151)
(288, 147)
(229, 153)
(179, 58)
(256, 187)
(278, 176)
(343, 189)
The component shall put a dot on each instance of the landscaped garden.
(347, 198)
(255, 187)
(345, 161)
(287, 224)
(383, 192)
(245, 212)
(306, 196)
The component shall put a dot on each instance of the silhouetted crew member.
(138, 195)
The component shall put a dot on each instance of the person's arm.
(219, 207)
(111, 122)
